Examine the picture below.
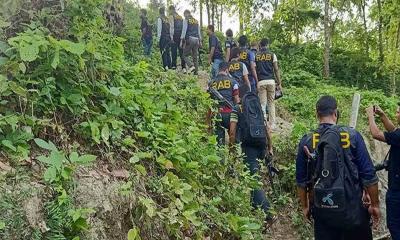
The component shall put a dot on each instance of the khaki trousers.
(266, 93)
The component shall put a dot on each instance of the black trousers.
(175, 49)
(323, 231)
(165, 49)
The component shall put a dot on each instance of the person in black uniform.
(147, 34)
(229, 89)
(248, 58)
(176, 23)
(269, 79)
(229, 44)
(392, 137)
(164, 37)
(239, 71)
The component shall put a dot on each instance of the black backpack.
(337, 190)
(253, 131)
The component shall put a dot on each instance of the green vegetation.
(77, 96)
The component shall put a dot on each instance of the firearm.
(220, 98)
(383, 165)
(272, 170)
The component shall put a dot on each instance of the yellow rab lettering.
(192, 21)
(224, 84)
(243, 55)
(344, 137)
(263, 57)
(234, 67)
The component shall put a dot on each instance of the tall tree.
(380, 38)
(327, 38)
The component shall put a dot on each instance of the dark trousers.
(147, 43)
(165, 49)
(222, 124)
(252, 155)
(393, 213)
(323, 231)
(175, 49)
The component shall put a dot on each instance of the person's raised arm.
(253, 66)
(228, 52)
(389, 126)
(375, 132)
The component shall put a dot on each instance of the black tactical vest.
(192, 28)
(178, 25)
(165, 32)
(265, 66)
(224, 85)
(244, 57)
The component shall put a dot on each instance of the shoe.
(191, 69)
(184, 70)
(269, 221)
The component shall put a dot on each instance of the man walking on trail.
(392, 137)
(269, 79)
(147, 34)
(256, 144)
(227, 117)
(336, 179)
(248, 58)
(229, 44)
(238, 70)
(215, 56)
(176, 23)
(191, 42)
(164, 37)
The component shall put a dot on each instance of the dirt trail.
(283, 227)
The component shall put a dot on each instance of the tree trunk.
(241, 21)
(220, 17)
(275, 5)
(380, 38)
(208, 12)
(296, 19)
(201, 13)
(363, 3)
(327, 39)
(213, 13)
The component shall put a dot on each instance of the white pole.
(354, 110)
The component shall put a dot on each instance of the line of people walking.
(176, 36)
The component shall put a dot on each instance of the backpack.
(337, 194)
(253, 131)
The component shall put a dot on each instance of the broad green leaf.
(74, 157)
(141, 169)
(45, 145)
(56, 58)
(29, 52)
(94, 128)
(115, 91)
(2, 225)
(105, 133)
(4, 47)
(17, 89)
(133, 234)
(143, 134)
(191, 216)
(3, 61)
(3, 84)
(85, 159)
(44, 159)
(150, 206)
(51, 174)
(74, 48)
(22, 67)
(9, 145)
(57, 159)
